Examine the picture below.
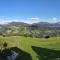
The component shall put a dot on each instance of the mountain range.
(21, 26)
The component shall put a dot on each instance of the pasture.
(33, 48)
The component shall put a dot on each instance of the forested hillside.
(21, 28)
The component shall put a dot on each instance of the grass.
(37, 48)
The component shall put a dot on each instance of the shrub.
(4, 35)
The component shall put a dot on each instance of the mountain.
(21, 27)
(46, 25)
(39, 24)
(18, 24)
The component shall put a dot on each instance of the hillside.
(35, 28)
(33, 48)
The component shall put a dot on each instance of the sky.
(29, 11)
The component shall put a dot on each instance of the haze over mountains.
(21, 28)
(34, 25)
(39, 24)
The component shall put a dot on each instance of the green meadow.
(33, 48)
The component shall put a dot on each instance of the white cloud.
(4, 20)
(50, 20)
(34, 18)
(54, 20)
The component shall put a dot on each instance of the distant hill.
(46, 24)
(18, 24)
(21, 27)
(39, 24)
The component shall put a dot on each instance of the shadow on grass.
(46, 54)
(22, 54)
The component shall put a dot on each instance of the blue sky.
(29, 11)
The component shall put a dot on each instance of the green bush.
(4, 35)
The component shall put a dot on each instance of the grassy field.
(34, 48)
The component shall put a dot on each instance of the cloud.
(5, 20)
(34, 18)
(46, 19)
(54, 20)
(50, 19)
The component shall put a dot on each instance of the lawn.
(34, 48)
